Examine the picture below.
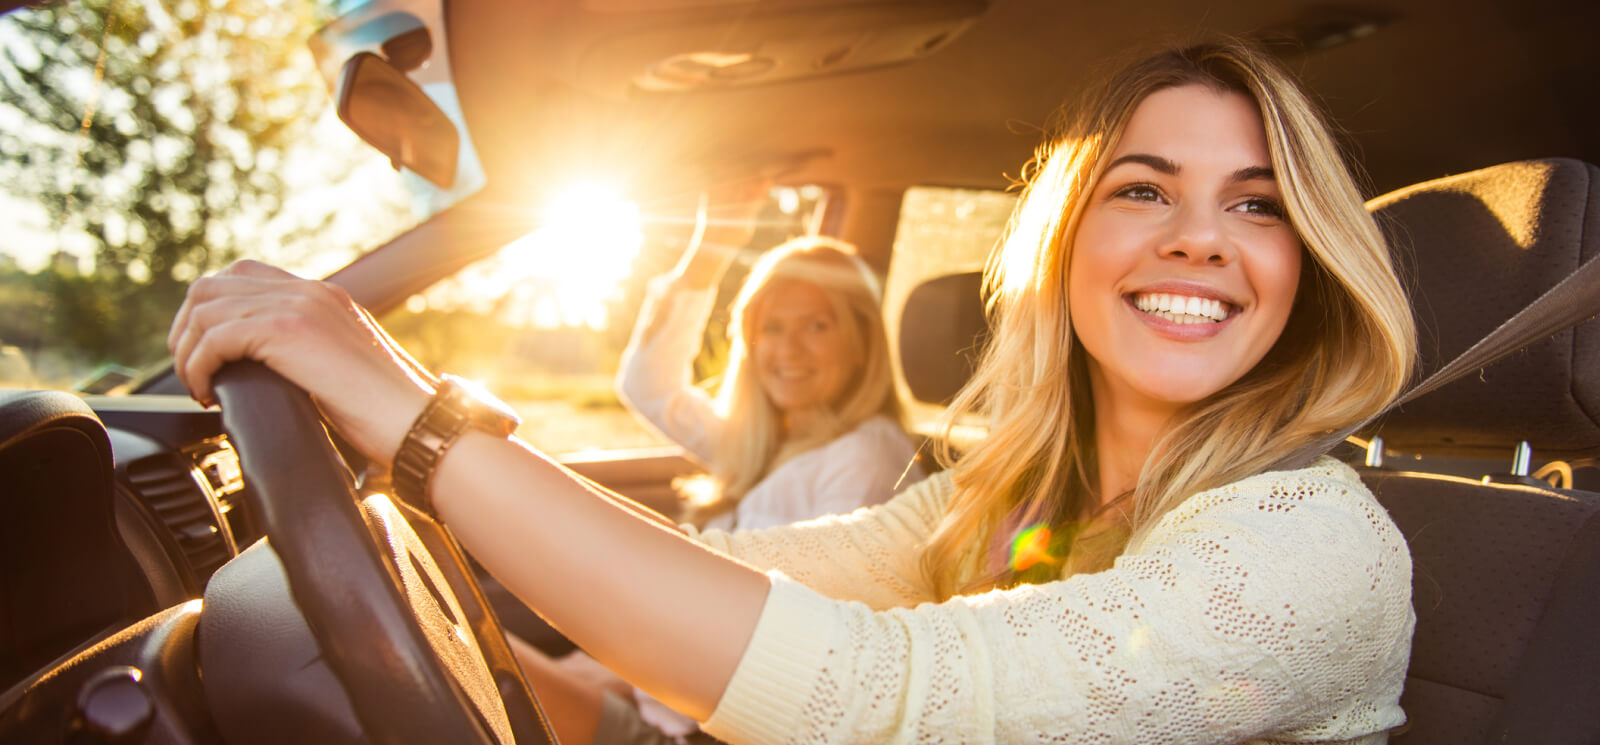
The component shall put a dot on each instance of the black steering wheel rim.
(341, 557)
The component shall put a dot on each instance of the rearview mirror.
(385, 108)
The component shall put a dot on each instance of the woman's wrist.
(456, 408)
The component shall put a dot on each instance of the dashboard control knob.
(114, 707)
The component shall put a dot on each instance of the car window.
(142, 145)
(543, 322)
(939, 220)
(948, 222)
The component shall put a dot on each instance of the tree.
(160, 131)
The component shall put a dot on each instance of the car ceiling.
(1440, 86)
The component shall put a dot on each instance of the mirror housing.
(390, 112)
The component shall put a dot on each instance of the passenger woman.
(1189, 293)
(805, 421)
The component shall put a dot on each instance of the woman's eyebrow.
(1253, 173)
(1154, 161)
(1163, 165)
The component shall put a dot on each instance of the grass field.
(560, 426)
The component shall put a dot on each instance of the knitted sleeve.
(655, 379)
(871, 555)
(1274, 609)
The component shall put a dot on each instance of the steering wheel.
(387, 595)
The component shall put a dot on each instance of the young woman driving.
(1189, 292)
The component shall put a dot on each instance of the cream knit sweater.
(1274, 609)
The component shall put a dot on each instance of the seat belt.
(1573, 300)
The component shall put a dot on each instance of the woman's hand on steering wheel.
(311, 333)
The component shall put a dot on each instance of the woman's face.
(1184, 267)
(802, 357)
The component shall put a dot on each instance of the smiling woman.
(1245, 601)
(1184, 268)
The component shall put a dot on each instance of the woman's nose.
(1197, 237)
(788, 343)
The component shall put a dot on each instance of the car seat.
(936, 326)
(66, 525)
(1506, 581)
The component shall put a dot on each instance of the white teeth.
(1181, 309)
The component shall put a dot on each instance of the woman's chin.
(1176, 394)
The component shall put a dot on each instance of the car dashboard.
(93, 547)
(176, 462)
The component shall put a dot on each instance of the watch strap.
(455, 407)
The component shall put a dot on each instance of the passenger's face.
(802, 357)
(1184, 267)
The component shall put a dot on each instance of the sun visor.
(716, 45)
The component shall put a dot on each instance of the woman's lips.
(1183, 308)
(1182, 316)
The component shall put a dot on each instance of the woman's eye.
(1262, 206)
(1139, 193)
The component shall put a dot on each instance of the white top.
(1274, 609)
(859, 468)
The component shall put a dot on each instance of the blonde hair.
(752, 442)
(1345, 353)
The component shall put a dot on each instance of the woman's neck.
(803, 423)
(796, 423)
(1126, 428)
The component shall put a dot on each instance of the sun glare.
(586, 243)
(561, 274)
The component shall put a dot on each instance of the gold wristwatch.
(457, 405)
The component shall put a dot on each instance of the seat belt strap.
(1573, 300)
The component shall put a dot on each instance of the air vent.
(176, 491)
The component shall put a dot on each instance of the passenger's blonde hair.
(1345, 353)
(752, 442)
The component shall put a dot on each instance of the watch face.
(484, 410)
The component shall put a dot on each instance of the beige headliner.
(1447, 85)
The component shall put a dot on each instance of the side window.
(543, 322)
(941, 231)
(952, 222)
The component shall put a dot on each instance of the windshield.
(145, 144)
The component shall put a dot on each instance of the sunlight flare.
(562, 274)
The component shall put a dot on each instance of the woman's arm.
(871, 555)
(723, 225)
(655, 378)
(667, 614)
(1273, 609)
(661, 610)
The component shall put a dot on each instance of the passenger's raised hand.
(725, 221)
(311, 333)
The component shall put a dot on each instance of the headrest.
(1477, 248)
(941, 332)
(932, 309)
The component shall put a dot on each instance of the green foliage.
(158, 131)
